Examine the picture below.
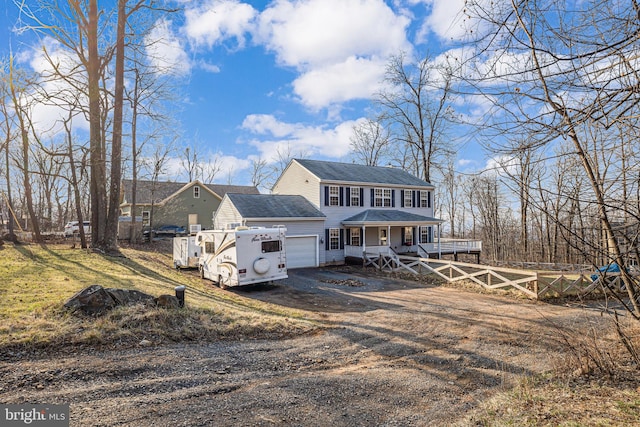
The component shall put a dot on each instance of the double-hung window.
(382, 197)
(196, 192)
(355, 237)
(334, 195)
(425, 234)
(408, 198)
(334, 238)
(424, 199)
(355, 196)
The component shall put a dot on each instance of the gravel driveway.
(393, 353)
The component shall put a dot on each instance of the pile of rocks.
(95, 300)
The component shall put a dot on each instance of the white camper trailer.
(242, 256)
(186, 252)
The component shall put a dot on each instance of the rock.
(167, 301)
(96, 300)
(91, 300)
(130, 297)
(145, 343)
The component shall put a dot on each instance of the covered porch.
(385, 232)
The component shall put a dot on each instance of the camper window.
(210, 247)
(271, 246)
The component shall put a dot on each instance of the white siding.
(298, 180)
(226, 214)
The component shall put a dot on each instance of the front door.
(382, 232)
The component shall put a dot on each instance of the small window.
(210, 247)
(408, 198)
(355, 237)
(355, 196)
(145, 217)
(271, 246)
(334, 238)
(196, 192)
(334, 195)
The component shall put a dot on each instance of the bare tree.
(417, 108)
(259, 172)
(370, 143)
(17, 87)
(563, 73)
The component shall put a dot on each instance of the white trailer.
(242, 256)
(186, 252)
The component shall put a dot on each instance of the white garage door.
(302, 251)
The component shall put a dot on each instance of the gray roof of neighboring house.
(389, 216)
(273, 206)
(164, 190)
(350, 172)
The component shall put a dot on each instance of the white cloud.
(216, 21)
(165, 52)
(322, 32)
(263, 124)
(298, 139)
(352, 79)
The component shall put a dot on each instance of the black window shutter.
(373, 197)
(416, 200)
(326, 239)
(348, 236)
(402, 198)
(428, 199)
(341, 238)
(415, 235)
(348, 191)
(326, 195)
(361, 196)
(341, 196)
(393, 198)
(402, 231)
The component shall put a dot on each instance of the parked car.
(73, 228)
(167, 230)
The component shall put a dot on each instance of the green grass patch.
(35, 282)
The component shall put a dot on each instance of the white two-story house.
(336, 212)
(367, 209)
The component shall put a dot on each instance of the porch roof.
(377, 217)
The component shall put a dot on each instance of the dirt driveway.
(394, 353)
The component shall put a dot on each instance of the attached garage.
(303, 221)
(302, 251)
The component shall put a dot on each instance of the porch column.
(364, 245)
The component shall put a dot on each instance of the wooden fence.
(533, 284)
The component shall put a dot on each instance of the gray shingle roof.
(273, 206)
(349, 172)
(163, 190)
(389, 216)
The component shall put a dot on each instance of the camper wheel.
(222, 285)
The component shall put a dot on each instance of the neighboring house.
(367, 208)
(176, 203)
(304, 222)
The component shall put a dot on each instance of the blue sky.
(258, 77)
